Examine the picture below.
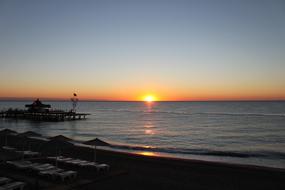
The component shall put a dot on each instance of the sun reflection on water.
(148, 129)
(145, 153)
(149, 132)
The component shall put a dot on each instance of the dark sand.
(143, 172)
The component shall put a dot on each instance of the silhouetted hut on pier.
(38, 106)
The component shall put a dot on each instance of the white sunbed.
(89, 165)
(59, 158)
(66, 174)
(13, 186)
(76, 161)
(9, 148)
(50, 172)
(98, 167)
(105, 167)
(43, 168)
(84, 163)
(4, 180)
(31, 153)
(43, 165)
(62, 159)
(51, 157)
(60, 174)
(21, 164)
(29, 165)
(38, 166)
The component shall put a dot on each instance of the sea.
(246, 132)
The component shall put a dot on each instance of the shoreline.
(185, 161)
(169, 156)
(139, 154)
(179, 171)
(173, 157)
(154, 172)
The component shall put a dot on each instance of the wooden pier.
(48, 116)
(42, 112)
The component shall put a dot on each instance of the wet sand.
(146, 172)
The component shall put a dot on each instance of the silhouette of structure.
(43, 112)
(74, 101)
(38, 106)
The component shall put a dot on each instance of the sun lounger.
(4, 180)
(31, 153)
(42, 165)
(104, 167)
(76, 161)
(64, 159)
(72, 160)
(60, 158)
(84, 163)
(66, 174)
(13, 186)
(30, 165)
(51, 157)
(43, 168)
(20, 164)
(59, 173)
(50, 172)
(98, 167)
(89, 165)
(9, 148)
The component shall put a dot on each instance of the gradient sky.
(125, 49)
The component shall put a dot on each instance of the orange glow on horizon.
(131, 93)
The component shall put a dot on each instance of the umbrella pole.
(94, 153)
(23, 149)
(56, 158)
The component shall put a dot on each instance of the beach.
(132, 171)
(166, 173)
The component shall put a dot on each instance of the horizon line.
(108, 100)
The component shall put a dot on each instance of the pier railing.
(43, 116)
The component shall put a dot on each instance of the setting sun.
(149, 98)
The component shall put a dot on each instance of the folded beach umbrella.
(96, 142)
(26, 136)
(57, 145)
(29, 134)
(61, 138)
(5, 133)
(9, 155)
(30, 143)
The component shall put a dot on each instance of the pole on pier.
(74, 101)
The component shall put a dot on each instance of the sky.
(126, 49)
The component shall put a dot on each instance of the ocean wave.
(205, 152)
